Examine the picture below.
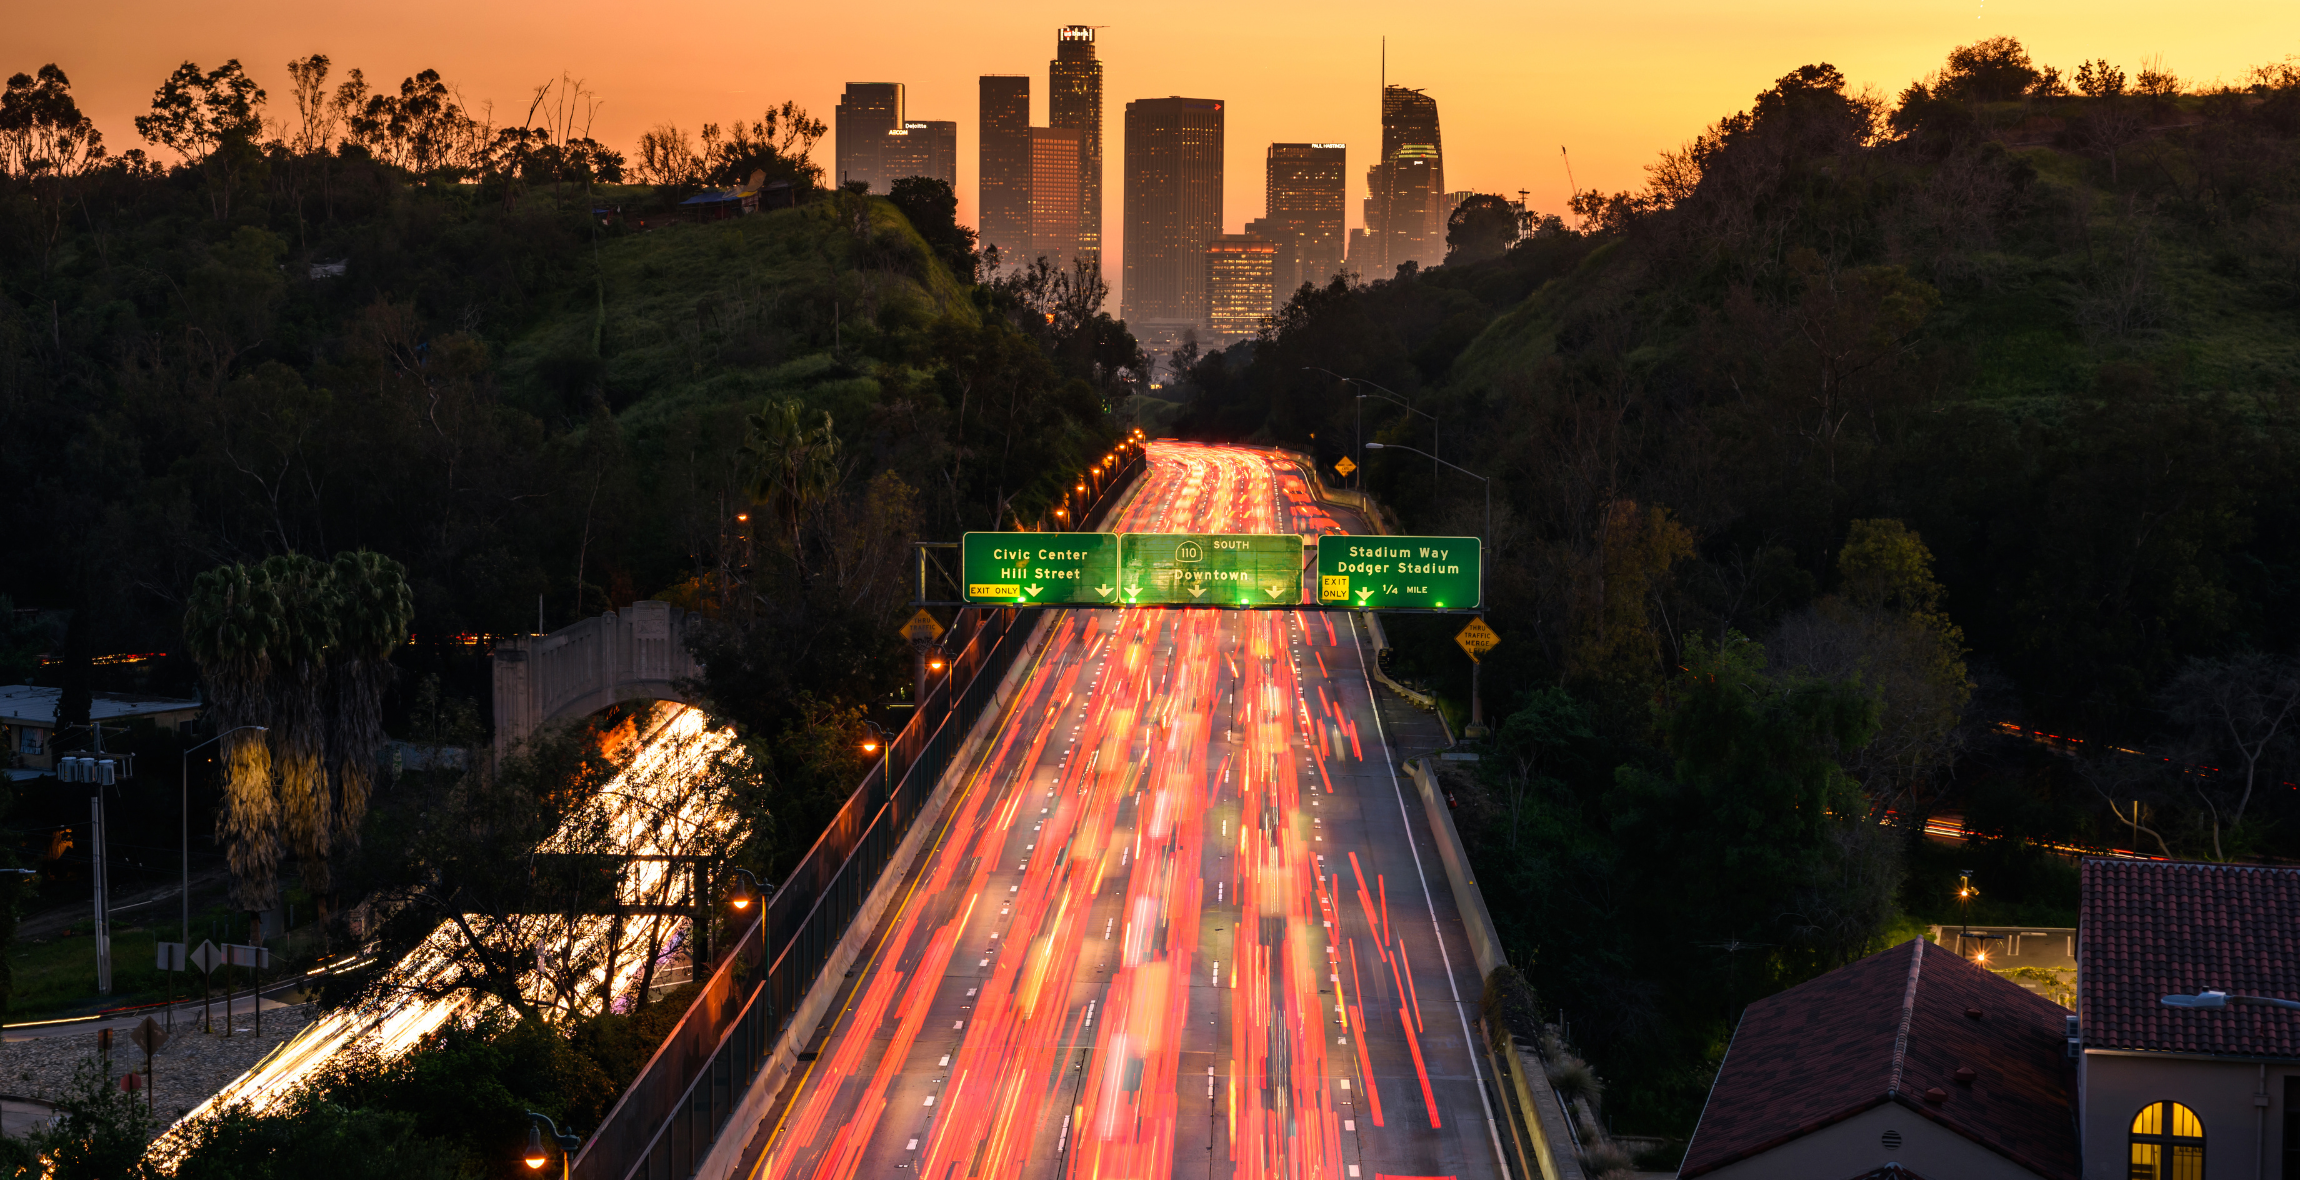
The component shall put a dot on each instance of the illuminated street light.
(537, 1155)
(740, 896)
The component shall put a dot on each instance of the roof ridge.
(1908, 1012)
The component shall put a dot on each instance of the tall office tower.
(1074, 100)
(1238, 286)
(1056, 224)
(1173, 208)
(926, 147)
(1004, 177)
(1405, 208)
(1307, 182)
(866, 112)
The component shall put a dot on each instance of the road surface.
(1181, 921)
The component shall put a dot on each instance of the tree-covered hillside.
(1981, 403)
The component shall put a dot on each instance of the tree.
(668, 159)
(316, 120)
(374, 609)
(2098, 79)
(932, 209)
(233, 627)
(194, 113)
(1744, 830)
(1483, 226)
(780, 143)
(307, 630)
(793, 465)
(1616, 637)
(46, 142)
(2235, 720)
(1886, 632)
(1994, 69)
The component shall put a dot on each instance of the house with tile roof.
(1912, 1064)
(2173, 1093)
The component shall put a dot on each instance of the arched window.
(2167, 1143)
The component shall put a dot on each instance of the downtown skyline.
(1616, 87)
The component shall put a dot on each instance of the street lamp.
(1476, 705)
(2221, 999)
(1389, 395)
(537, 1155)
(184, 783)
(1488, 538)
(881, 743)
(740, 896)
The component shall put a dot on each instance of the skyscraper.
(1056, 225)
(866, 112)
(1074, 101)
(922, 147)
(1004, 177)
(1307, 183)
(1239, 295)
(1173, 209)
(1405, 202)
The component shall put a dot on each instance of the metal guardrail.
(666, 1122)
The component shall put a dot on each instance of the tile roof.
(1893, 1028)
(2147, 929)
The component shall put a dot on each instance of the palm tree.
(306, 595)
(374, 608)
(232, 625)
(793, 465)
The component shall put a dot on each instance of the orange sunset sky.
(1615, 82)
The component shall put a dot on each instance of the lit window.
(2167, 1143)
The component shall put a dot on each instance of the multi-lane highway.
(1181, 920)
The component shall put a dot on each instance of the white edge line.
(1389, 762)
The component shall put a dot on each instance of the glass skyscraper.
(1074, 102)
(1405, 201)
(1173, 209)
(1307, 184)
(1003, 219)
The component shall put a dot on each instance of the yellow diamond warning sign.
(922, 628)
(1477, 639)
(1344, 466)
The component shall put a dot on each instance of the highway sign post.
(1039, 569)
(1211, 569)
(1476, 639)
(1401, 573)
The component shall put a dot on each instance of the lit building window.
(2167, 1143)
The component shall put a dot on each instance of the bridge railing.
(666, 1122)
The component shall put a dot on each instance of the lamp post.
(1391, 396)
(741, 895)
(1476, 726)
(184, 783)
(537, 1155)
(880, 742)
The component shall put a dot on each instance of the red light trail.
(1122, 958)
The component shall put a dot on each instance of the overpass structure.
(636, 654)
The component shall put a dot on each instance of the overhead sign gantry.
(1232, 570)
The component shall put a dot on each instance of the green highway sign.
(1401, 573)
(1039, 569)
(1213, 569)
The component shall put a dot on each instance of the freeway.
(1179, 920)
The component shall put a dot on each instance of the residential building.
(922, 147)
(1074, 102)
(2170, 1093)
(1056, 215)
(1239, 289)
(1405, 203)
(866, 112)
(28, 721)
(1306, 183)
(1909, 1063)
(1173, 209)
(1003, 179)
